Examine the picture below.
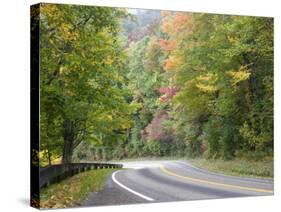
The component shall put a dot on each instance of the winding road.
(164, 181)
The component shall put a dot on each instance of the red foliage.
(154, 131)
(168, 92)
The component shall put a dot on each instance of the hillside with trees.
(117, 84)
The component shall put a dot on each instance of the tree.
(222, 67)
(82, 91)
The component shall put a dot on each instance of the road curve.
(165, 181)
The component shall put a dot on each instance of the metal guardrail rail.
(55, 173)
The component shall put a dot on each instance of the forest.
(129, 83)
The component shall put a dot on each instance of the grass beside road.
(236, 167)
(73, 190)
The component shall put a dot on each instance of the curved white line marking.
(128, 189)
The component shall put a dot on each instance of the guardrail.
(56, 173)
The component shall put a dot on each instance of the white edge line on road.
(128, 189)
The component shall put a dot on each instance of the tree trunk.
(68, 136)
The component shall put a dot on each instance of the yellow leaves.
(55, 19)
(62, 70)
(206, 88)
(232, 40)
(58, 197)
(51, 14)
(125, 124)
(237, 76)
(73, 190)
(105, 117)
(207, 83)
(207, 77)
(167, 26)
(108, 60)
(67, 33)
(48, 9)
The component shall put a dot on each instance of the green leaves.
(221, 77)
(81, 73)
(219, 70)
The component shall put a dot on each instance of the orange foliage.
(167, 45)
(180, 21)
(174, 23)
(171, 63)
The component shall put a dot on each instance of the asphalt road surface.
(165, 181)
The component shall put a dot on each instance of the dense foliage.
(83, 95)
(115, 85)
(215, 94)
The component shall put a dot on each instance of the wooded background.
(119, 83)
